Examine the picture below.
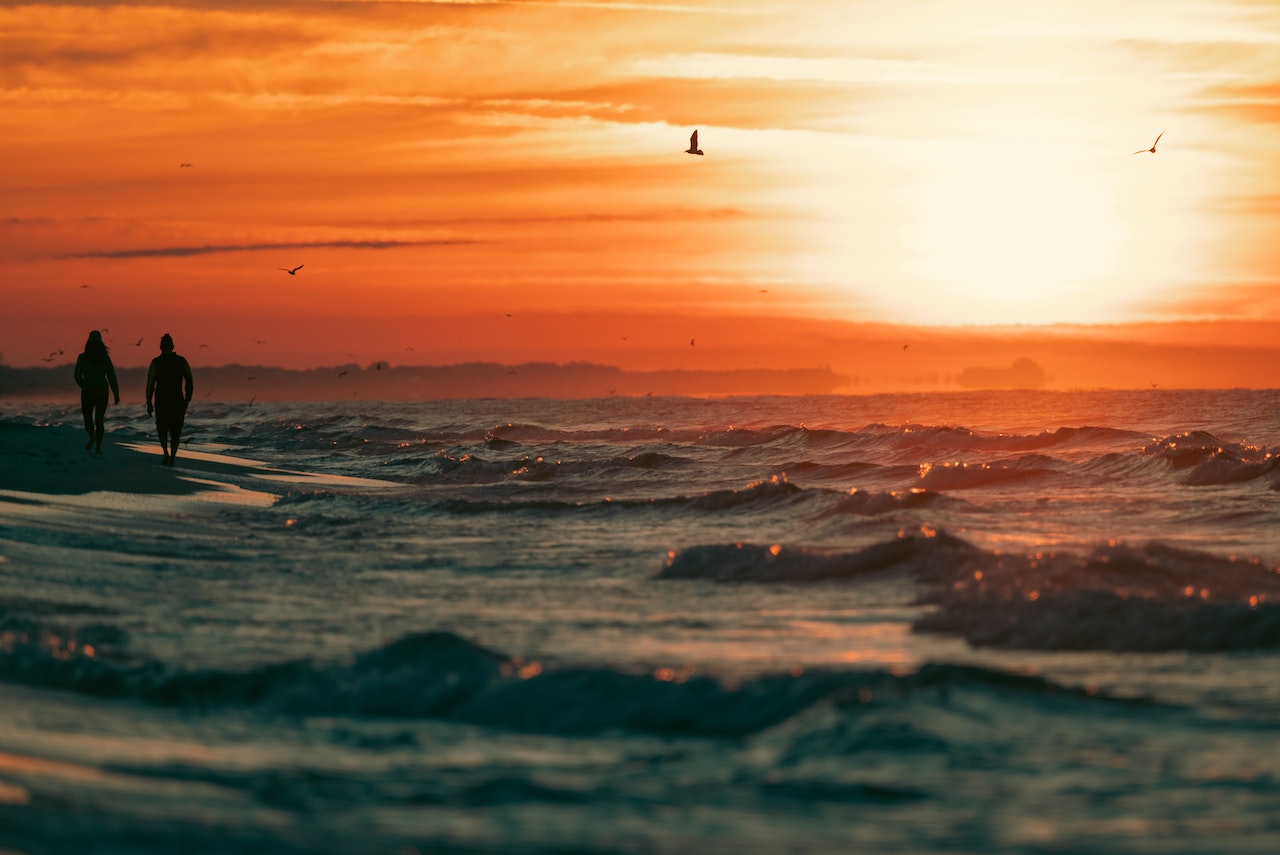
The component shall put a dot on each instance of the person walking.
(170, 385)
(96, 376)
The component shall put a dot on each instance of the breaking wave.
(1152, 597)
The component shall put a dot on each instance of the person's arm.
(151, 385)
(111, 378)
(80, 371)
(186, 379)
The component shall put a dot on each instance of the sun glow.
(1009, 230)
(1018, 215)
(867, 164)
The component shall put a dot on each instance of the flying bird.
(293, 272)
(138, 343)
(693, 145)
(1152, 150)
(183, 165)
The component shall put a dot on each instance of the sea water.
(982, 622)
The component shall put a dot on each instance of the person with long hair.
(96, 376)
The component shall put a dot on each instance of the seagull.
(342, 374)
(138, 343)
(1152, 150)
(293, 272)
(184, 165)
(693, 145)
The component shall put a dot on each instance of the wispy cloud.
(838, 69)
(184, 251)
(1253, 104)
(1247, 299)
(619, 5)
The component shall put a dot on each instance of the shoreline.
(50, 461)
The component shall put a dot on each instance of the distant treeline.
(380, 381)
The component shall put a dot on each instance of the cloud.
(668, 214)
(749, 104)
(1253, 104)
(1240, 299)
(184, 251)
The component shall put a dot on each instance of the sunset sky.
(507, 181)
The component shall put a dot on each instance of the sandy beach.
(45, 463)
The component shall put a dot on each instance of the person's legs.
(86, 406)
(175, 434)
(99, 421)
(169, 420)
(173, 445)
(162, 428)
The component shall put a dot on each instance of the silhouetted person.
(169, 383)
(95, 375)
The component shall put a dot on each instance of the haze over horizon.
(897, 190)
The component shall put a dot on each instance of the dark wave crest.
(1204, 460)
(1102, 620)
(773, 494)
(870, 503)
(439, 675)
(1152, 597)
(910, 554)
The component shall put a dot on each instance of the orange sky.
(507, 181)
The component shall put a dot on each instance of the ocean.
(1031, 622)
